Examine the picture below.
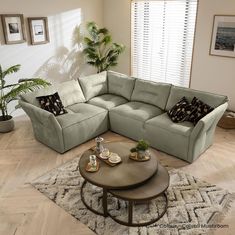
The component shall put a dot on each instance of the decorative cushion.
(52, 103)
(201, 109)
(94, 85)
(180, 111)
(154, 93)
(120, 84)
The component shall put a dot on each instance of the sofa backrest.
(70, 93)
(154, 93)
(94, 85)
(177, 93)
(120, 84)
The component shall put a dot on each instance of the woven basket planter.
(227, 121)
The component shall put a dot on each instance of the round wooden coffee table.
(128, 175)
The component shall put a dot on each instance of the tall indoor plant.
(10, 92)
(99, 49)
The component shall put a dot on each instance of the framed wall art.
(13, 28)
(223, 36)
(38, 29)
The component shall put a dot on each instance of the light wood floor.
(24, 211)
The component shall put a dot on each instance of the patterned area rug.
(195, 206)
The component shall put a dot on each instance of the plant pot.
(141, 154)
(6, 125)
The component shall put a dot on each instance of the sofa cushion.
(83, 122)
(107, 101)
(70, 93)
(172, 138)
(177, 93)
(137, 111)
(78, 113)
(181, 111)
(151, 93)
(128, 119)
(164, 122)
(200, 110)
(94, 85)
(120, 84)
(52, 103)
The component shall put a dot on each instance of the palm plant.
(11, 92)
(99, 49)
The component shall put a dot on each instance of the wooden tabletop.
(125, 175)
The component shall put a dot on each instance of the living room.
(141, 142)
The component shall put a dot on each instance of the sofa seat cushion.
(137, 111)
(108, 101)
(129, 119)
(163, 121)
(78, 113)
(167, 136)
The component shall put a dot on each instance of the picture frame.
(13, 28)
(38, 30)
(223, 36)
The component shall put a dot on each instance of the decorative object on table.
(13, 28)
(228, 120)
(217, 203)
(223, 36)
(10, 92)
(114, 158)
(99, 49)
(105, 154)
(99, 147)
(38, 29)
(140, 152)
(93, 164)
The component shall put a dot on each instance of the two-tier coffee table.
(130, 180)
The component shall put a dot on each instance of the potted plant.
(99, 49)
(10, 92)
(140, 149)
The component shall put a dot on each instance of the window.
(162, 40)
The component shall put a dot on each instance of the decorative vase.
(99, 146)
(6, 125)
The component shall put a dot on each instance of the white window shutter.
(162, 40)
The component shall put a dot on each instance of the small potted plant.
(141, 148)
(10, 92)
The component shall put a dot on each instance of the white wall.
(60, 59)
(212, 73)
(117, 20)
(209, 73)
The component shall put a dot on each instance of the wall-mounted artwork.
(223, 36)
(38, 29)
(13, 28)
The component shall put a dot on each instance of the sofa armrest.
(39, 115)
(203, 133)
(211, 118)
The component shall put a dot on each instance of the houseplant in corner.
(10, 92)
(99, 49)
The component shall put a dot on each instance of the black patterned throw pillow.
(180, 111)
(52, 103)
(201, 109)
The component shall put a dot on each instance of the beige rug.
(195, 206)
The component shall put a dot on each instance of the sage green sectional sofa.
(131, 107)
